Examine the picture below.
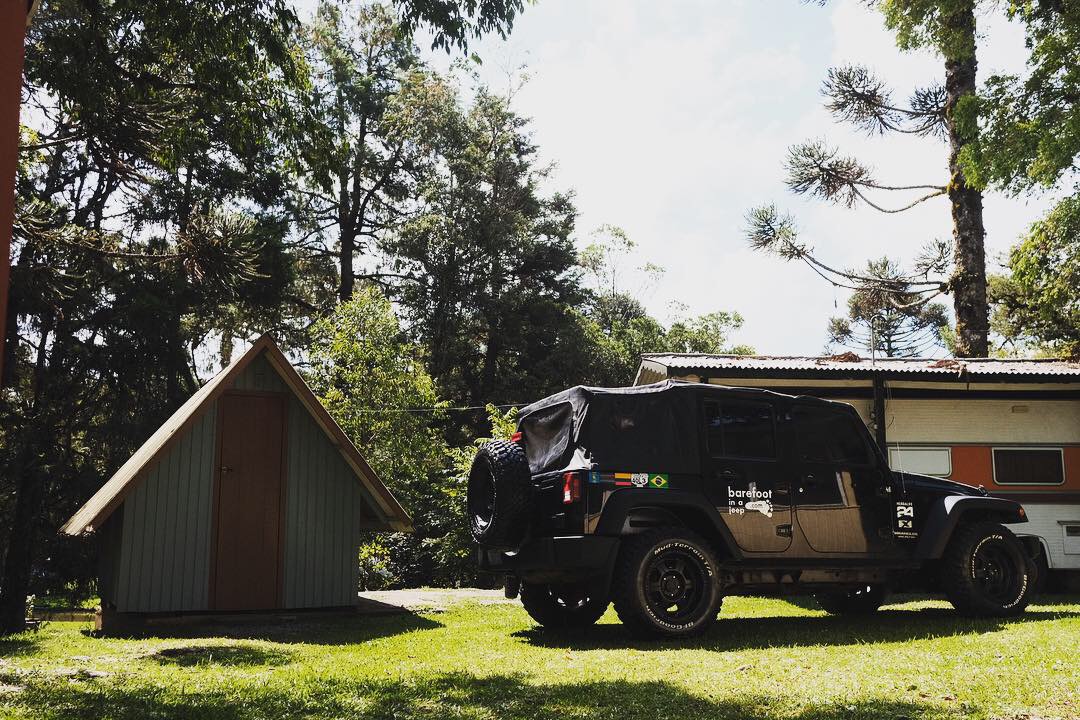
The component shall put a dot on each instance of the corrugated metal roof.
(851, 363)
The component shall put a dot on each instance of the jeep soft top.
(666, 497)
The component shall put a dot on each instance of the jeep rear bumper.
(576, 558)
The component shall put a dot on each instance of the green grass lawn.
(764, 658)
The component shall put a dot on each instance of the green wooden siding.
(165, 550)
(161, 560)
(323, 509)
(260, 375)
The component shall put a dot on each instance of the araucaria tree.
(886, 323)
(948, 111)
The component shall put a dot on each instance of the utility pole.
(15, 15)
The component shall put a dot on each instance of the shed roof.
(98, 508)
(850, 365)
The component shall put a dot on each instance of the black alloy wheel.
(675, 584)
(666, 583)
(986, 572)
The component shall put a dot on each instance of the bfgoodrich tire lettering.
(500, 487)
(985, 571)
(665, 584)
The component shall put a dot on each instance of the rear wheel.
(985, 571)
(562, 606)
(666, 584)
(861, 601)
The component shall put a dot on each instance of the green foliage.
(1037, 307)
(489, 262)
(373, 383)
(454, 22)
(1031, 122)
(937, 24)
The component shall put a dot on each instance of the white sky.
(672, 119)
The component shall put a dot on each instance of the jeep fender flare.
(622, 502)
(946, 513)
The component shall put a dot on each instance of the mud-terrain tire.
(863, 601)
(666, 584)
(985, 571)
(562, 607)
(498, 495)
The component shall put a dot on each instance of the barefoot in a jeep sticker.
(752, 499)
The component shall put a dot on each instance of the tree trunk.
(20, 551)
(30, 492)
(346, 249)
(968, 283)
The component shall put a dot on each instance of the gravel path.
(436, 598)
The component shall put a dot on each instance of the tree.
(1031, 141)
(372, 381)
(370, 110)
(1030, 124)
(618, 330)
(890, 324)
(1038, 304)
(146, 217)
(489, 263)
(855, 95)
(454, 22)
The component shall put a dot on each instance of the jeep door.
(744, 476)
(839, 486)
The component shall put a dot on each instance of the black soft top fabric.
(647, 428)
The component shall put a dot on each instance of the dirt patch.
(437, 599)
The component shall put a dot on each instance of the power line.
(462, 408)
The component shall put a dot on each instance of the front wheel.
(562, 606)
(666, 584)
(985, 571)
(861, 601)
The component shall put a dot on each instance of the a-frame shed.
(250, 497)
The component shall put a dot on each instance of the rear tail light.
(571, 489)
(516, 437)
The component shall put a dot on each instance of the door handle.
(810, 481)
(727, 473)
(226, 468)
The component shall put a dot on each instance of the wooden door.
(250, 484)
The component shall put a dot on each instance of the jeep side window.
(740, 429)
(825, 435)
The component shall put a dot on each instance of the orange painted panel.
(1072, 468)
(972, 464)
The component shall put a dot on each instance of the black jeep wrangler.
(666, 497)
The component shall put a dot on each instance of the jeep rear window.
(826, 435)
(547, 437)
(740, 429)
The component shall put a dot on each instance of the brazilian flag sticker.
(658, 481)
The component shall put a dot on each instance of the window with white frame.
(926, 460)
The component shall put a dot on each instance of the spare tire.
(500, 488)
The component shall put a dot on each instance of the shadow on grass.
(14, 645)
(455, 695)
(766, 632)
(223, 655)
(322, 631)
